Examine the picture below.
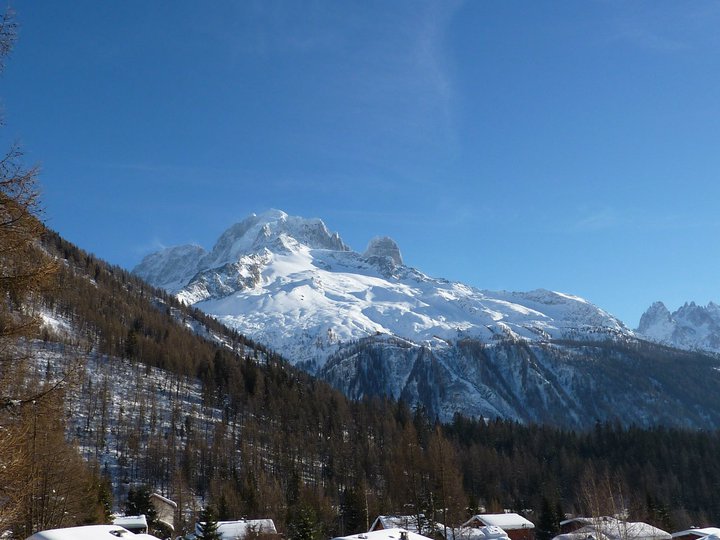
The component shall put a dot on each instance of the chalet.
(416, 523)
(242, 528)
(90, 532)
(419, 524)
(385, 534)
(165, 510)
(578, 535)
(695, 533)
(609, 528)
(516, 526)
(490, 532)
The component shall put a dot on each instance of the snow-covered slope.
(690, 327)
(291, 284)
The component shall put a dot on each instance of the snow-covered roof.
(705, 531)
(490, 532)
(162, 499)
(413, 523)
(89, 532)
(507, 522)
(595, 535)
(131, 522)
(232, 530)
(582, 520)
(385, 534)
(616, 529)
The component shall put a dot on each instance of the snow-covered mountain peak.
(384, 247)
(272, 214)
(289, 283)
(692, 326)
(656, 319)
(659, 307)
(372, 325)
(271, 229)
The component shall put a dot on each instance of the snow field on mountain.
(354, 305)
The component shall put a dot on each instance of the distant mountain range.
(373, 326)
(690, 327)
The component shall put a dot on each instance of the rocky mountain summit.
(690, 327)
(383, 246)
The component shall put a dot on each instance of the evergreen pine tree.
(139, 504)
(352, 512)
(207, 525)
(548, 525)
(302, 525)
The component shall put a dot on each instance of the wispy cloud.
(376, 80)
(434, 64)
(390, 74)
(148, 246)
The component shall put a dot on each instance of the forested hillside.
(268, 440)
(154, 394)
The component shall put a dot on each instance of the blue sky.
(566, 145)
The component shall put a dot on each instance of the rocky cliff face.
(384, 248)
(572, 384)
